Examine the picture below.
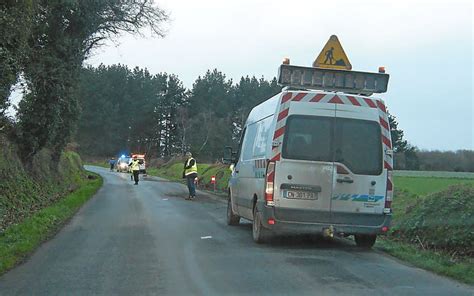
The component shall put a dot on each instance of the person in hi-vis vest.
(135, 168)
(190, 173)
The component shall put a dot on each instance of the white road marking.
(164, 199)
(206, 237)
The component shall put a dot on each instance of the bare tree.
(184, 125)
(114, 17)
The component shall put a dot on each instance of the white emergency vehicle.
(122, 163)
(316, 158)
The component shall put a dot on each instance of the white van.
(315, 161)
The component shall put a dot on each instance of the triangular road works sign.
(333, 56)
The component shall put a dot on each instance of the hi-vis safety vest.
(135, 166)
(191, 170)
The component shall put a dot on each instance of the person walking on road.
(112, 163)
(135, 168)
(190, 173)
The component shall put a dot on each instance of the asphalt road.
(148, 240)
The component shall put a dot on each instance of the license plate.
(301, 194)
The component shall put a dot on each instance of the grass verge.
(430, 227)
(437, 262)
(174, 172)
(20, 240)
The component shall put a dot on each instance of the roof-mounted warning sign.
(333, 56)
(354, 82)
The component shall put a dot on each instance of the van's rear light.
(389, 193)
(269, 181)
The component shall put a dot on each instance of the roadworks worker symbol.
(333, 56)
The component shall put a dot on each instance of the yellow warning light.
(381, 69)
(286, 61)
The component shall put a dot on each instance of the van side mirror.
(229, 155)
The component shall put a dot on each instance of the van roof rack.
(312, 78)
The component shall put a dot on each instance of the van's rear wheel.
(365, 241)
(232, 219)
(259, 233)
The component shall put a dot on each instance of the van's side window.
(262, 137)
(249, 139)
(239, 151)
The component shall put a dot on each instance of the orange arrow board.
(333, 56)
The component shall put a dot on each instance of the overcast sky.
(426, 47)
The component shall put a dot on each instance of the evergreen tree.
(131, 110)
(398, 142)
(210, 113)
(402, 148)
(104, 125)
(250, 92)
(174, 99)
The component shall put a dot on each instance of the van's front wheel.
(259, 233)
(365, 241)
(232, 219)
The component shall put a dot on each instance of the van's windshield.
(355, 143)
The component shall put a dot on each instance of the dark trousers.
(191, 185)
(135, 176)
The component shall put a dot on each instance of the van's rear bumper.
(310, 221)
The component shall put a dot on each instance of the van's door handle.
(344, 180)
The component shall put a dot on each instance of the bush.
(442, 220)
(25, 190)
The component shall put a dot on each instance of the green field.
(436, 174)
(425, 185)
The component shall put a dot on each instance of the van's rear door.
(360, 179)
(304, 175)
